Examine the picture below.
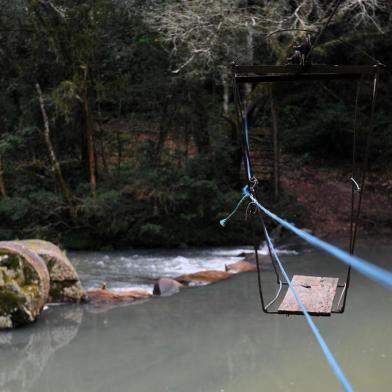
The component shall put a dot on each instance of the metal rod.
(276, 296)
(341, 295)
(296, 77)
(309, 69)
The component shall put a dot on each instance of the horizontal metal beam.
(308, 69)
(295, 77)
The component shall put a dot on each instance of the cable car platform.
(316, 293)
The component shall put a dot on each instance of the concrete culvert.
(24, 285)
(65, 285)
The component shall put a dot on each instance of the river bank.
(324, 191)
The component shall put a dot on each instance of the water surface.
(208, 339)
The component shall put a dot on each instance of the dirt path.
(326, 195)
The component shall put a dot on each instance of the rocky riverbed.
(36, 273)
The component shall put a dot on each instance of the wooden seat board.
(316, 293)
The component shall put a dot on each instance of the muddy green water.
(208, 339)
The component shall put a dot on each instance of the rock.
(203, 277)
(5, 322)
(264, 260)
(241, 266)
(249, 257)
(104, 295)
(284, 239)
(166, 287)
(24, 285)
(64, 281)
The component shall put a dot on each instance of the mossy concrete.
(24, 285)
(65, 285)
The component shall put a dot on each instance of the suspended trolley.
(317, 293)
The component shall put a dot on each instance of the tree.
(52, 155)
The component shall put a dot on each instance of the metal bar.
(276, 296)
(310, 69)
(295, 77)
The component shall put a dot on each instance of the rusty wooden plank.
(316, 293)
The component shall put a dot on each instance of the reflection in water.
(24, 353)
(102, 307)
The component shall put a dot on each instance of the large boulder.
(166, 287)
(64, 281)
(264, 260)
(24, 285)
(105, 295)
(241, 266)
(203, 277)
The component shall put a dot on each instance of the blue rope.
(370, 270)
(246, 155)
(224, 221)
(324, 347)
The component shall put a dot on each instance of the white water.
(139, 269)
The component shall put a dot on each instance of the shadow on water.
(206, 339)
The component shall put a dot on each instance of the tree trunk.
(163, 132)
(101, 140)
(3, 192)
(89, 132)
(52, 155)
(226, 93)
(102, 149)
(119, 151)
(275, 142)
(249, 44)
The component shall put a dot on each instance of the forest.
(117, 118)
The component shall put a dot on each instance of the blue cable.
(246, 155)
(324, 347)
(370, 270)
(223, 221)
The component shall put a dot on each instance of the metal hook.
(248, 209)
(356, 184)
(253, 183)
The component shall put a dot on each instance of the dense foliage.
(140, 146)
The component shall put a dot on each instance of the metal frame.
(283, 73)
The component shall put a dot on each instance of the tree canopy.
(117, 120)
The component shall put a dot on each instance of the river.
(206, 339)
